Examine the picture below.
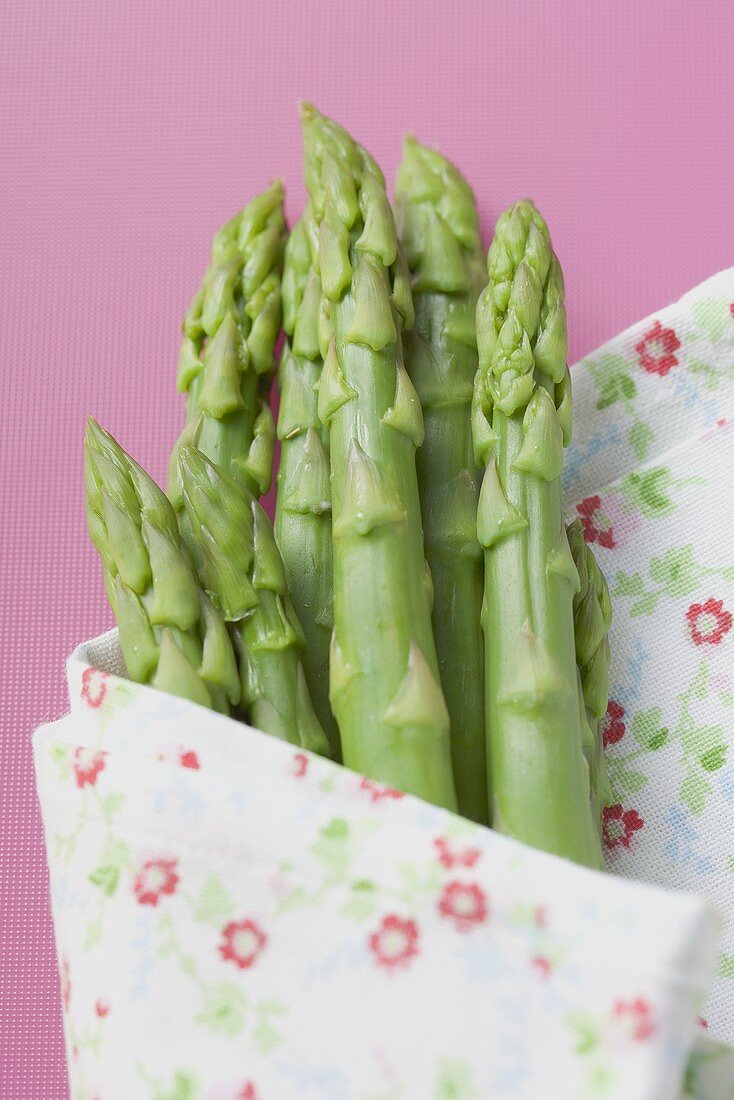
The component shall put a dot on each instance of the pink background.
(132, 130)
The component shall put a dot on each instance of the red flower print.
(300, 765)
(595, 524)
(541, 916)
(636, 1016)
(185, 758)
(101, 1007)
(242, 942)
(377, 791)
(709, 622)
(542, 965)
(455, 857)
(94, 686)
(247, 1092)
(155, 878)
(65, 979)
(731, 308)
(703, 1022)
(395, 943)
(463, 903)
(656, 350)
(614, 727)
(619, 826)
(87, 764)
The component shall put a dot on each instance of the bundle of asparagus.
(420, 610)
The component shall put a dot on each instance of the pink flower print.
(247, 1092)
(637, 1018)
(455, 857)
(94, 686)
(242, 941)
(300, 765)
(155, 878)
(595, 524)
(708, 622)
(377, 791)
(619, 826)
(188, 759)
(463, 903)
(395, 943)
(614, 727)
(101, 1007)
(541, 916)
(656, 350)
(87, 764)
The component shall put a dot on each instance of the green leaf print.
(224, 1009)
(713, 316)
(613, 380)
(627, 779)
(587, 1033)
(714, 758)
(454, 1081)
(694, 791)
(648, 730)
(629, 584)
(266, 1034)
(646, 605)
(331, 847)
(213, 904)
(184, 1087)
(106, 877)
(676, 571)
(726, 966)
(640, 437)
(649, 490)
(362, 901)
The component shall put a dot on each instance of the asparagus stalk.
(170, 634)
(243, 572)
(439, 227)
(592, 616)
(226, 355)
(521, 414)
(303, 503)
(385, 689)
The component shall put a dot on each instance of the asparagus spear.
(439, 227)
(170, 635)
(521, 413)
(385, 689)
(303, 504)
(243, 572)
(592, 615)
(226, 355)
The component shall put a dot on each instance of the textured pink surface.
(132, 130)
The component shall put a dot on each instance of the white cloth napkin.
(235, 919)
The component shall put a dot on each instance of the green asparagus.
(384, 680)
(243, 572)
(439, 227)
(170, 634)
(592, 615)
(521, 421)
(226, 357)
(303, 504)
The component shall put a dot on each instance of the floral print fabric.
(649, 475)
(236, 919)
